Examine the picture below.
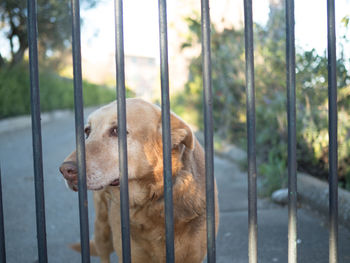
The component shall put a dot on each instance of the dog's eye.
(114, 131)
(87, 131)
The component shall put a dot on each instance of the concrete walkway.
(62, 209)
(232, 243)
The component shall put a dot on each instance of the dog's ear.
(181, 132)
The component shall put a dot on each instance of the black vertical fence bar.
(36, 131)
(79, 132)
(2, 230)
(291, 114)
(250, 90)
(122, 143)
(333, 138)
(168, 187)
(208, 131)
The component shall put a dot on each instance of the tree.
(229, 109)
(54, 26)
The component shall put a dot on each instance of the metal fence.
(207, 89)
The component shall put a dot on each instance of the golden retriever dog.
(145, 181)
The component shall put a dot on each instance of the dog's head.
(144, 145)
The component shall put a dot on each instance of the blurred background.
(185, 69)
(142, 70)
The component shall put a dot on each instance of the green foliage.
(14, 96)
(345, 20)
(186, 106)
(228, 80)
(229, 107)
(55, 92)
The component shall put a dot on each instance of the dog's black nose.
(69, 171)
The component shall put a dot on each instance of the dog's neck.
(149, 191)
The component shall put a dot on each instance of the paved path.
(62, 210)
(272, 226)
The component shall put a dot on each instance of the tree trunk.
(18, 56)
(21, 34)
(2, 61)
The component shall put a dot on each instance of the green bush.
(14, 91)
(55, 92)
(229, 100)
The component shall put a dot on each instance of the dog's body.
(146, 194)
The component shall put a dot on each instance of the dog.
(145, 181)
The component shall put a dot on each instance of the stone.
(280, 196)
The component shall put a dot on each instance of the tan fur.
(146, 194)
(93, 251)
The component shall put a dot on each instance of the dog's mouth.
(115, 182)
(71, 186)
(74, 187)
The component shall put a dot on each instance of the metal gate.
(207, 89)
